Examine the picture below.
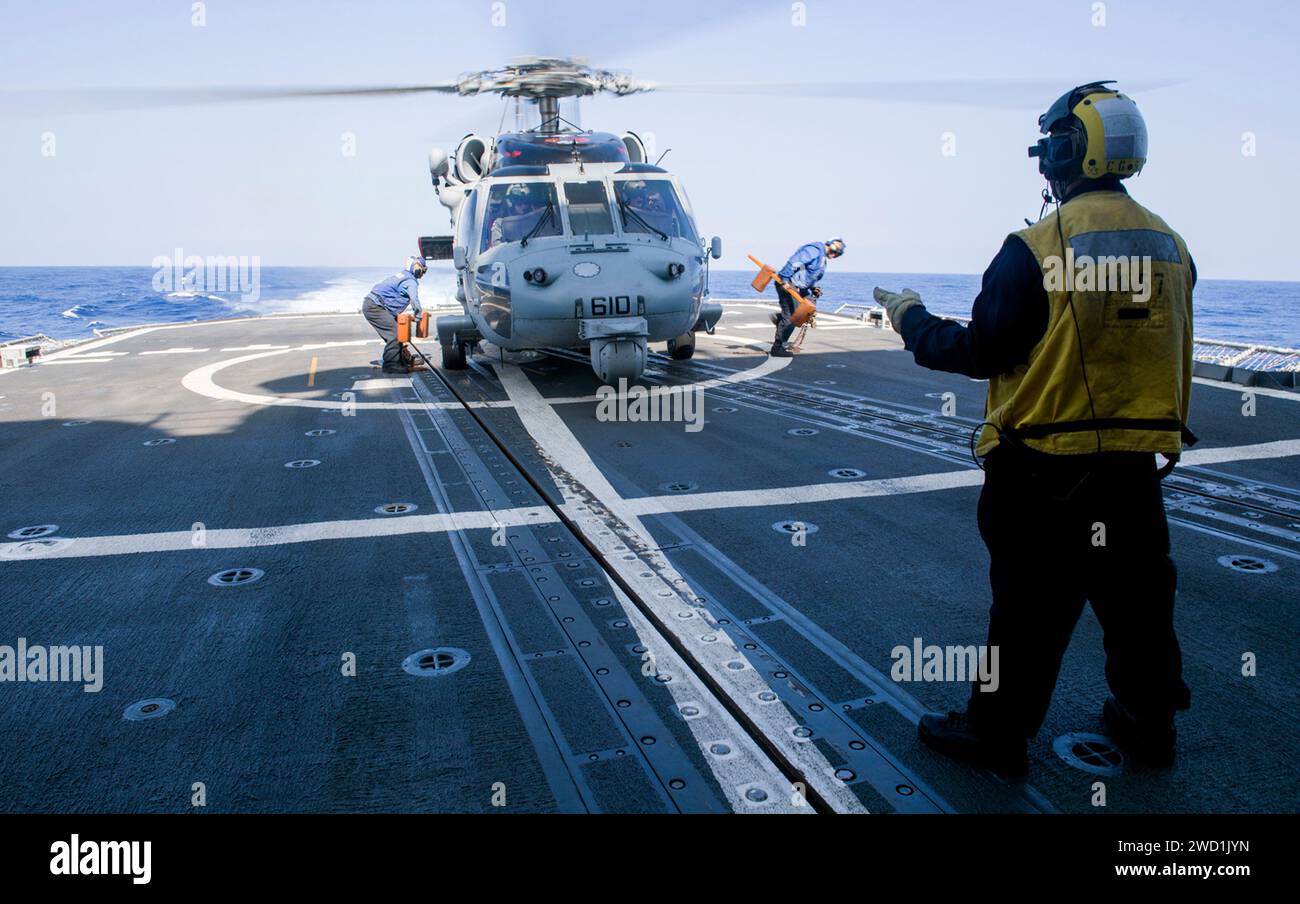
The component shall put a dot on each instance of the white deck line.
(1255, 390)
(247, 537)
(82, 347)
(634, 508)
(90, 360)
(1282, 448)
(803, 495)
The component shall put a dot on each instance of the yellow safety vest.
(1137, 350)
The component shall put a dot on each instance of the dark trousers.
(385, 325)
(784, 328)
(1061, 531)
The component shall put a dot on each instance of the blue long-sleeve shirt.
(396, 292)
(806, 267)
(1008, 318)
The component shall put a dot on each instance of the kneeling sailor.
(388, 299)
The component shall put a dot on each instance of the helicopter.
(564, 237)
(573, 239)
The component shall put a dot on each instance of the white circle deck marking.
(200, 381)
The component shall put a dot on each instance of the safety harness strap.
(1038, 431)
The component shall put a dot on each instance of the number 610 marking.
(618, 305)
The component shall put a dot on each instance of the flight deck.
(318, 587)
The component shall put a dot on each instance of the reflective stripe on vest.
(1129, 278)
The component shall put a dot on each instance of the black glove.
(815, 292)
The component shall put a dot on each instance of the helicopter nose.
(565, 286)
(646, 272)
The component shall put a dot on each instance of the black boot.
(957, 737)
(1150, 742)
(780, 351)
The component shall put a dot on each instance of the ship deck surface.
(642, 633)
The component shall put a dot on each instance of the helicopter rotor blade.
(93, 99)
(1000, 93)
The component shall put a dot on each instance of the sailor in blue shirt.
(388, 299)
(803, 271)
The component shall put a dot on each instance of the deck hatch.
(1248, 564)
(1093, 753)
(233, 577)
(435, 662)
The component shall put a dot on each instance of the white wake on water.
(189, 296)
(345, 294)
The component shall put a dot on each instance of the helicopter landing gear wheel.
(682, 347)
(618, 358)
(454, 356)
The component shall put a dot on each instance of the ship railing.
(1241, 355)
(40, 340)
(1247, 356)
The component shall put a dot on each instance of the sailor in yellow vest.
(1083, 328)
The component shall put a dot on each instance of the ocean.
(71, 302)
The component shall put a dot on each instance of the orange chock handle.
(765, 274)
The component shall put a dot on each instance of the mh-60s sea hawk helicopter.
(567, 238)
(570, 238)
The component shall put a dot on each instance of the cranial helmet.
(1092, 131)
(836, 244)
(416, 266)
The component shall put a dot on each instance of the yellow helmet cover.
(1116, 135)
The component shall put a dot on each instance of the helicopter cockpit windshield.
(588, 208)
(521, 211)
(517, 211)
(651, 206)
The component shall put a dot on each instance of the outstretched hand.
(896, 304)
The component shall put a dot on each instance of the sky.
(930, 179)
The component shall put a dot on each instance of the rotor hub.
(538, 77)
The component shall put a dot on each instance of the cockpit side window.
(465, 227)
(588, 208)
(518, 211)
(651, 206)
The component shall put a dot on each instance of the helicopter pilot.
(645, 198)
(382, 305)
(648, 207)
(803, 270)
(507, 218)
